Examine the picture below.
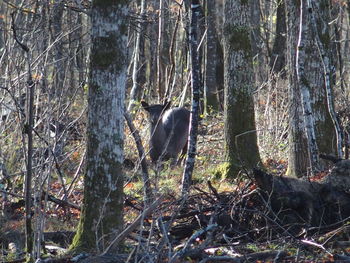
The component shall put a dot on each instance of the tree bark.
(139, 64)
(211, 59)
(297, 156)
(278, 58)
(102, 214)
(195, 83)
(256, 40)
(329, 133)
(59, 71)
(304, 85)
(240, 133)
(28, 129)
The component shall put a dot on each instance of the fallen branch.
(50, 197)
(135, 224)
(141, 151)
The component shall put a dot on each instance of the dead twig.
(134, 225)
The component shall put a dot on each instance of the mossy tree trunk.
(102, 214)
(240, 136)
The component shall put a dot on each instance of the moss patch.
(239, 38)
(226, 171)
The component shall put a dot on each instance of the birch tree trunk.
(240, 134)
(195, 83)
(102, 215)
(305, 90)
(139, 64)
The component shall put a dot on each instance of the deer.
(168, 132)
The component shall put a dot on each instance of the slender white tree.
(195, 83)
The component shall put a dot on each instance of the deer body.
(168, 131)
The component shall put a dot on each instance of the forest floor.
(222, 221)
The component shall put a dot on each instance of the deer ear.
(145, 105)
(166, 105)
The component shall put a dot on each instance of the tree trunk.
(304, 86)
(211, 60)
(322, 69)
(139, 64)
(102, 214)
(278, 58)
(298, 156)
(59, 69)
(162, 48)
(240, 134)
(256, 40)
(195, 83)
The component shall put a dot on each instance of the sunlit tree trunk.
(257, 43)
(240, 135)
(304, 86)
(102, 214)
(139, 64)
(322, 78)
(162, 48)
(298, 156)
(195, 84)
(315, 79)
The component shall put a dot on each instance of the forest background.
(273, 79)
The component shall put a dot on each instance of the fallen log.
(305, 202)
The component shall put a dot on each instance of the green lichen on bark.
(224, 171)
(239, 38)
(107, 54)
(324, 5)
(325, 40)
(241, 139)
(108, 3)
(102, 214)
(91, 226)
